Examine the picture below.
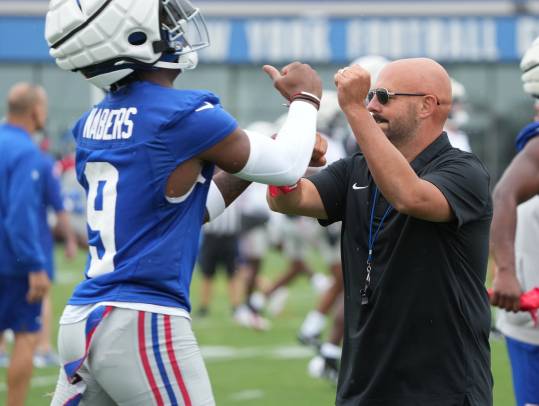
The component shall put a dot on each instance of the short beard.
(404, 129)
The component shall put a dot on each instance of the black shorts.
(218, 250)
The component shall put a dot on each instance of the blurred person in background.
(220, 239)
(326, 363)
(255, 242)
(298, 236)
(24, 282)
(146, 155)
(74, 194)
(416, 214)
(458, 118)
(331, 301)
(52, 206)
(327, 239)
(515, 245)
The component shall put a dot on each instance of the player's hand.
(530, 69)
(318, 157)
(295, 78)
(39, 285)
(353, 84)
(506, 291)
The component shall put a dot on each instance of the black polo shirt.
(423, 337)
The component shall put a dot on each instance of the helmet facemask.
(186, 28)
(184, 31)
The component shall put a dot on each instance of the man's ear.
(35, 115)
(428, 106)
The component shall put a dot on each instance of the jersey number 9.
(102, 180)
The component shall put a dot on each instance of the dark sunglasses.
(383, 95)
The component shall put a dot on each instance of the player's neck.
(162, 77)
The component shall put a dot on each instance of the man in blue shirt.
(52, 199)
(23, 279)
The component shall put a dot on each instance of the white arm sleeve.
(283, 161)
(215, 202)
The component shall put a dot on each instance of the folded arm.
(519, 183)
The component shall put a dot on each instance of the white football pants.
(135, 358)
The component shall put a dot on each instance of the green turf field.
(248, 367)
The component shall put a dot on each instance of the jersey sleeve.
(53, 190)
(198, 130)
(331, 185)
(465, 183)
(22, 214)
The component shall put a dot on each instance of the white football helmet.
(458, 115)
(330, 117)
(373, 64)
(106, 40)
(329, 108)
(529, 65)
(458, 91)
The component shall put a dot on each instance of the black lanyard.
(366, 291)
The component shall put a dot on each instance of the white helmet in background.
(529, 65)
(458, 91)
(373, 64)
(458, 116)
(106, 40)
(328, 112)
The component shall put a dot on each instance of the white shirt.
(520, 325)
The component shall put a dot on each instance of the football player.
(514, 246)
(145, 156)
(458, 118)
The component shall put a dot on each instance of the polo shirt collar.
(17, 129)
(439, 145)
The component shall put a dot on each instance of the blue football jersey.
(143, 247)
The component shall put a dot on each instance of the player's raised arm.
(279, 160)
(283, 160)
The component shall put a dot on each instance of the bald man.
(416, 215)
(23, 279)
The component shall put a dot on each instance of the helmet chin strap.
(186, 61)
